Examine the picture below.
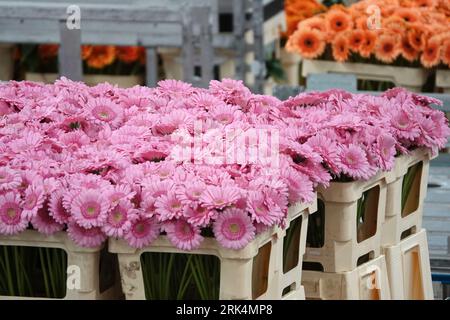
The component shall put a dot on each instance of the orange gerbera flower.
(309, 43)
(369, 43)
(340, 47)
(338, 21)
(356, 39)
(431, 55)
(101, 56)
(395, 24)
(387, 48)
(409, 15)
(416, 38)
(446, 52)
(408, 52)
(127, 54)
(48, 51)
(315, 23)
(86, 51)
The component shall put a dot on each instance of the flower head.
(89, 209)
(12, 220)
(233, 229)
(143, 231)
(91, 238)
(183, 235)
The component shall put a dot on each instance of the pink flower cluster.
(96, 161)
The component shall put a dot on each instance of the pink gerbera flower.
(9, 179)
(190, 191)
(57, 209)
(33, 200)
(90, 238)
(12, 220)
(234, 229)
(168, 207)
(261, 211)
(405, 127)
(385, 148)
(119, 192)
(143, 231)
(102, 110)
(89, 209)
(44, 223)
(199, 216)
(225, 114)
(183, 235)
(219, 197)
(119, 219)
(354, 162)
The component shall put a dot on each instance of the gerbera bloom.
(86, 52)
(89, 238)
(103, 110)
(44, 223)
(119, 192)
(408, 14)
(225, 114)
(57, 209)
(119, 219)
(446, 52)
(175, 88)
(340, 47)
(327, 149)
(356, 39)
(405, 127)
(307, 42)
(199, 216)
(314, 23)
(128, 54)
(416, 38)
(168, 207)
(215, 197)
(9, 179)
(368, 45)
(354, 162)
(261, 211)
(12, 220)
(101, 56)
(431, 55)
(190, 191)
(387, 48)
(74, 139)
(143, 231)
(408, 51)
(338, 21)
(33, 200)
(233, 229)
(89, 209)
(183, 235)
(385, 148)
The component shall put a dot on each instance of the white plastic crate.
(408, 265)
(347, 244)
(409, 78)
(254, 272)
(367, 282)
(401, 223)
(291, 65)
(86, 260)
(443, 80)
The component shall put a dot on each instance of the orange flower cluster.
(417, 30)
(299, 10)
(98, 57)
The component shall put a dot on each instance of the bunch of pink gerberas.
(100, 161)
